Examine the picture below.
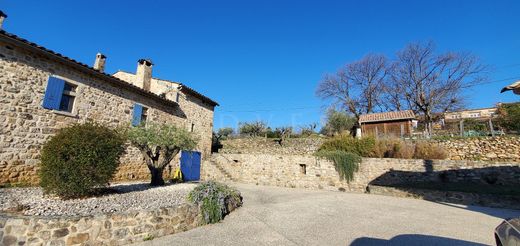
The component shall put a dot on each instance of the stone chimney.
(2, 18)
(144, 73)
(99, 64)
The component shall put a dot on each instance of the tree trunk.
(157, 176)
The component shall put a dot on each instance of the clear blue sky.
(263, 59)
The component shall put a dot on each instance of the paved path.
(283, 216)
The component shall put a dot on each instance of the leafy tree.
(253, 129)
(225, 132)
(159, 144)
(509, 116)
(338, 122)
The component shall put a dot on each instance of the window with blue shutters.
(139, 115)
(59, 95)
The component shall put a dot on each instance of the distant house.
(388, 124)
(480, 114)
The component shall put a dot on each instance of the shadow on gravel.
(413, 239)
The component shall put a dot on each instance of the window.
(303, 169)
(192, 127)
(140, 115)
(67, 97)
(144, 115)
(59, 95)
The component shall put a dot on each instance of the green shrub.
(361, 147)
(346, 163)
(215, 200)
(79, 159)
(509, 116)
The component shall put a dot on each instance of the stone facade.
(25, 125)
(113, 229)
(307, 171)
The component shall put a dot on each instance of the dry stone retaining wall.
(484, 148)
(307, 171)
(115, 229)
(505, 148)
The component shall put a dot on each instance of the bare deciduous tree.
(358, 86)
(430, 82)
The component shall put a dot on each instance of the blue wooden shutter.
(136, 117)
(53, 93)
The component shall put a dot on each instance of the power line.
(493, 81)
(315, 107)
(267, 110)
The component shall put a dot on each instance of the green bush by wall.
(79, 159)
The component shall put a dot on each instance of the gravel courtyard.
(126, 197)
(282, 216)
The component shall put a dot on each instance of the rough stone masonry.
(92, 95)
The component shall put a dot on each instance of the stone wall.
(114, 229)
(488, 200)
(260, 145)
(505, 148)
(307, 171)
(25, 125)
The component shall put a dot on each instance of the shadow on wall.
(412, 239)
(475, 187)
(497, 176)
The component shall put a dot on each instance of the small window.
(68, 97)
(303, 169)
(144, 116)
(192, 127)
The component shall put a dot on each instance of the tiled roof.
(84, 67)
(184, 88)
(387, 116)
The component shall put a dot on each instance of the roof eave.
(7, 37)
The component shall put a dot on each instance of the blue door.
(190, 165)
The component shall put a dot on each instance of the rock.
(59, 233)
(78, 238)
(9, 240)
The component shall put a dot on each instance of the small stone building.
(387, 124)
(42, 91)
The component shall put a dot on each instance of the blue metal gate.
(190, 165)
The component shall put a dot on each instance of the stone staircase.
(218, 165)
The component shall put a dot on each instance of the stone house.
(479, 114)
(42, 91)
(387, 124)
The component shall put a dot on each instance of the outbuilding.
(387, 124)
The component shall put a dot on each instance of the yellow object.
(177, 175)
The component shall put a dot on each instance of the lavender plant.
(215, 200)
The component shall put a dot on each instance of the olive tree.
(159, 144)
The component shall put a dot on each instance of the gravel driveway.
(282, 216)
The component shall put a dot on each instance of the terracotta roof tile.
(387, 116)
